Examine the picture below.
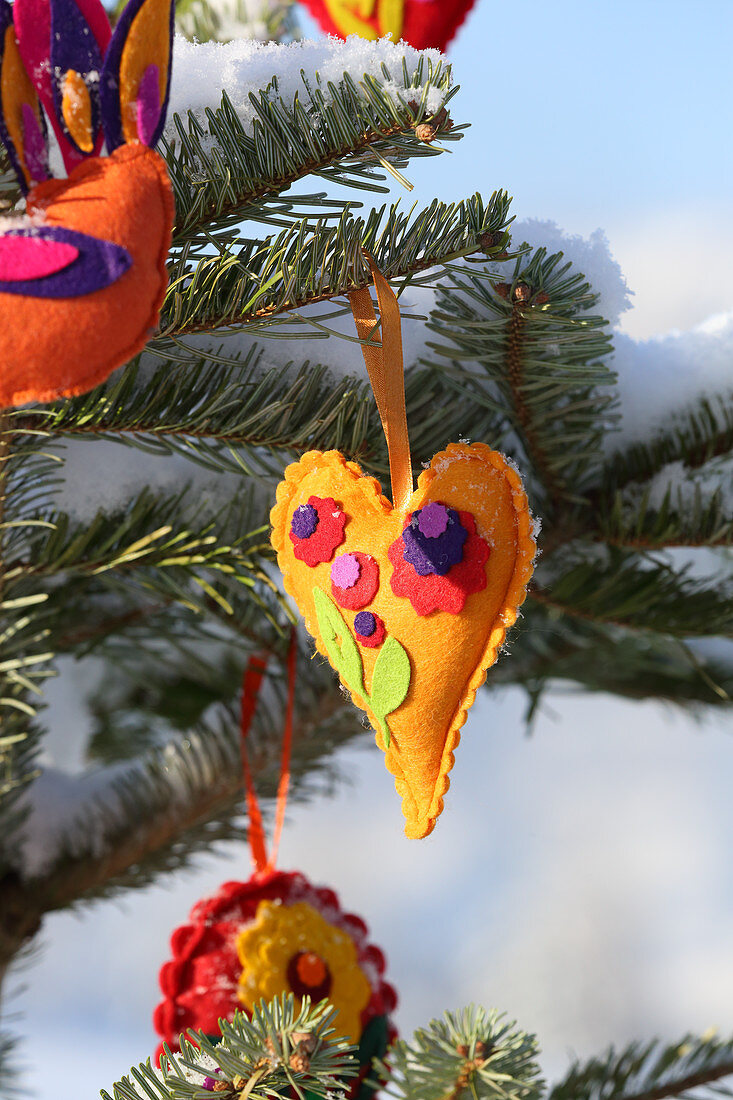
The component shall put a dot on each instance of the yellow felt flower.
(292, 948)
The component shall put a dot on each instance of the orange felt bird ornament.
(409, 600)
(82, 272)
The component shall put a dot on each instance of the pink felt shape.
(345, 571)
(148, 104)
(32, 20)
(33, 258)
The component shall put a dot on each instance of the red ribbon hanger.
(251, 684)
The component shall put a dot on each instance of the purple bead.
(430, 554)
(209, 1083)
(365, 624)
(345, 571)
(433, 520)
(304, 521)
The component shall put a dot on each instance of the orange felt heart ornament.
(409, 603)
(60, 347)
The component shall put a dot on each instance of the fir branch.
(695, 438)
(550, 649)
(180, 799)
(202, 21)
(685, 516)
(619, 588)
(694, 1067)
(212, 412)
(276, 1050)
(473, 1053)
(542, 373)
(222, 173)
(25, 650)
(150, 534)
(229, 413)
(307, 263)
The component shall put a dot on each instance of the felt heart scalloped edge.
(514, 597)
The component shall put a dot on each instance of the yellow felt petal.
(76, 108)
(350, 17)
(148, 43)
(15, 90)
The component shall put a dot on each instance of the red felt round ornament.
(422, 23)
(275, 933)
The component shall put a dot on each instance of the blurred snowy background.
(579, 878)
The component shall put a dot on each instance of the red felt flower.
(316, 529)
(364, 589)
(441, 593)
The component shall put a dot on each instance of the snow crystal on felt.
(201, 71)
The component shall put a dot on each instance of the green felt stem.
(392, 670)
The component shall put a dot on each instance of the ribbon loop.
(251, 684)
(385, 367)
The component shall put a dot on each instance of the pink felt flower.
(354, 580)
(317, 529)
(436, 591)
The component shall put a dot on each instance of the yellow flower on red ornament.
(292, 948)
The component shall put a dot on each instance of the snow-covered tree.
(134, 519)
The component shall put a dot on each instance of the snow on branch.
(203, 71)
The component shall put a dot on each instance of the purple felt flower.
(304, 521)
(434, 539)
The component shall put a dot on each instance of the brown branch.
(515, 344)
(685, 1084)
(541, 597)
(6, 440)
(101, 427)
(23, 904)
(639, 542)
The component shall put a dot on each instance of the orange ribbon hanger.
(251, 684)
(385, 367)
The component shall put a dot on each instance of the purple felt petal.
(304, 521)
(110, 80)
(148, 104)
(74, 46)
(32, 257)
(34, 145)
(97, 265)
(433, 520)
(436, 554)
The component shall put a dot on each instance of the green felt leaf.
(339, 642)
(391, 678)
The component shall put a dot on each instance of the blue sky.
(580, 879)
